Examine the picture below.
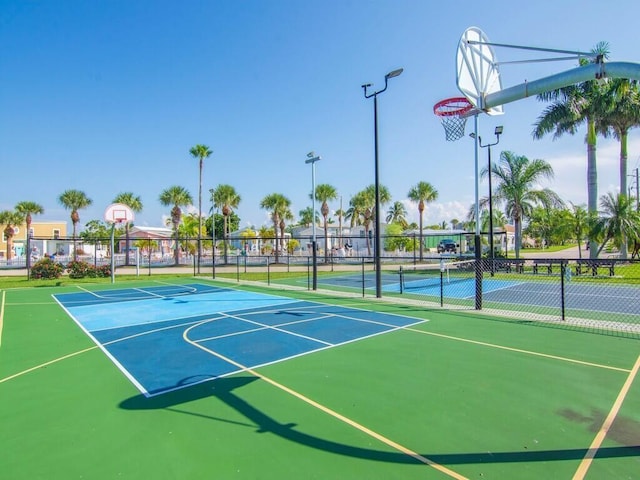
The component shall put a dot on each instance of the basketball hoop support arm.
(593, 71)
(537, 49)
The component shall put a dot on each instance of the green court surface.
(460, 395)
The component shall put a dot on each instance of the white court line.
(274, 327)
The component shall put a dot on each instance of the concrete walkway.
(570, 253)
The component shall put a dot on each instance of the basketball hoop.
(118, 214)
(453, 113)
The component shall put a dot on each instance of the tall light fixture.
(312, 159)
(213, 232)
(498, 131)
(377, 249)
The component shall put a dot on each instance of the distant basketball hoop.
(453, 113)
(118, 213)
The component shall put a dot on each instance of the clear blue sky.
(108, 97)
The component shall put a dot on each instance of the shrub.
(46, 268)
(103, 271)
(80, 269)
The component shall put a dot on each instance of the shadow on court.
(224, 390)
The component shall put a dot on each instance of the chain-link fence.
(602, 295)
(599, 295)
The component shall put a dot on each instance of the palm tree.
(572, 106)
(354, 214)
(362, 208)
(618, 220)
(200, 152)
(397, 213)
(622, 115)
(176, 196)
(306, 216)
(579, 222)
(516, 177)
(285, 215)
(26, 209)
(265, 233)
(340, 213)
(10, 219)
(277, 204)
(135, 204)
(325, 193)
(187, 230)
(422, 192)
(225, 198)
(74, 200)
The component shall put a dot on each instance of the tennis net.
(426, 276)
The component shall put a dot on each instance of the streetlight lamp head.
(310, 154)
(366, 85)
(395, 73)
(472, 135)
(498, 130)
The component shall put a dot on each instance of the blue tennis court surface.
(455, 287)
(170, 336)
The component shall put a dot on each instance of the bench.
(508, 264)
(546, 262)
(592, 265)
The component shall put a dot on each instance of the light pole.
(213, 232)
(376, 247)
(498, 132)
(635, 175)
(312, 159)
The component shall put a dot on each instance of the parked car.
(447, 246)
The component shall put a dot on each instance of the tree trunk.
(518, 233)
(592, 182)
(623, 183)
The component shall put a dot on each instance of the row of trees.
(516, 179)
(608, 108)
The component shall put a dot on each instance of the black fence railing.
(601, 294)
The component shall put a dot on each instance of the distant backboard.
(477, 73)
(118, 213)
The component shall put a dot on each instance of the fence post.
(401, 280)
(362, 277)
(563, 267)
(213, 265)
(29, 255)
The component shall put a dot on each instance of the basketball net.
(453, 113)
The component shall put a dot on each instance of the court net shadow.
(224, 389)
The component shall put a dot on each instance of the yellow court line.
(329, 411)
(1, 316)
(15, 375)
(518, 350)
(602, 433)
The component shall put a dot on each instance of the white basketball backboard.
(477, 73)
(118, 213)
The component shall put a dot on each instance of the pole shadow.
(224, 390)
